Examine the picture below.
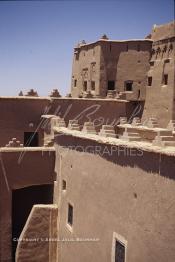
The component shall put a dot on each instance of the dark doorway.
(31, 139)
(111, 85)
(22, 201)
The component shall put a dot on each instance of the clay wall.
(117, 61)
(126, 193)
(123, 61)
(86, 66)
(163, 31)
(18, 113)
(160, 95)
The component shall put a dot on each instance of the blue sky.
(37, 37)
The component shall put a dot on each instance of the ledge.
(27, 149)
(61, 98)
(146, 146)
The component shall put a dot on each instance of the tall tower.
(160, 90)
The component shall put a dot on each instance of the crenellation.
(123, 120)
(136, 121)
(164, 138)
(89, 128)
(74, 125)
(32, 92)
(55, 93)
(14, 143)
(107, 131)
(130, 136)
(152, 122)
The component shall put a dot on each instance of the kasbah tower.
(90, 177)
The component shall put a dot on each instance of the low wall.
(17, 113)
(35, 241)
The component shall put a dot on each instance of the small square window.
(128, 85)
(151, 63)
(70, 215)
(150, 81)
(111, 85)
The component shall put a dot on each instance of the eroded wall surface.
(122, 190)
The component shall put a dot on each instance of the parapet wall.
(19, 115)
(23, 114)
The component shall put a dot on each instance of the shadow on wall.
(22, 202)
(151, 162)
